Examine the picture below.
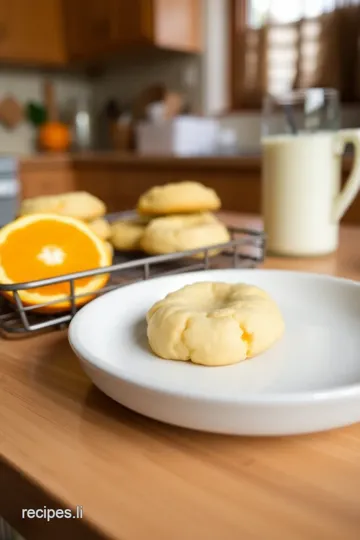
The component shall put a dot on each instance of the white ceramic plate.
(309, 381)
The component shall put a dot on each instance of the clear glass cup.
(301, 111)
(302, 149)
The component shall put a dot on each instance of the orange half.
(41, 246)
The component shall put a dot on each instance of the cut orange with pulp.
(41, 246)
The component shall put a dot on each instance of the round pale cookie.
(110, 248)
(214, 324)
(180, 233)
(101, 228)
(126, 235)
(76, 204)
(178, 198)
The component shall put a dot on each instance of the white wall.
(215, 92)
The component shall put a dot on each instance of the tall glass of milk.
(302, 149)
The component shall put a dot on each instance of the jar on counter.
(82, 125)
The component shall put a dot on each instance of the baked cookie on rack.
(110, 249)
(126, 235)
(77, 204)
(101, 228)
(172, 234)
(178, 198)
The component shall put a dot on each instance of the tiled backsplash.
(178, 72)
(25, 86)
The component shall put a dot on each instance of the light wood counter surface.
(63, 443)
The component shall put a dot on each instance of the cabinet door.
(31, 31)
(177, 24)
(91, 27)
(134, 20)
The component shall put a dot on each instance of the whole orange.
(54, 136)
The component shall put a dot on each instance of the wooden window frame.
(238, 11)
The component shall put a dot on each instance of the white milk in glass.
(301, 179)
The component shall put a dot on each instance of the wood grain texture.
(91, 27)
(63, 443)
(95, 30)
(32, 32)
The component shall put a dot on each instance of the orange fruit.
(41, 246)
(54, 136)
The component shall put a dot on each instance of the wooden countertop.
(123, 159)
(128, 159)
(62, 442)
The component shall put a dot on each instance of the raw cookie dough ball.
(214, 324)
(178, 198)
(179, 233)
(126, 235)
(76, 204)
(101, 228)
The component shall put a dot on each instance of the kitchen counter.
(124, 158)
(242, 161)
(63, 443)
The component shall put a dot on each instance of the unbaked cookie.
(179, 233)
(76, 204)
(178, 198)
(126, 235)
(101, 228)
(214, 324)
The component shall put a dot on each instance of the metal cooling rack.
(245, 250)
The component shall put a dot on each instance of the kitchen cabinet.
(90, 27)
(58, 32)
(31, 32)
(176, 24)
(96, 28)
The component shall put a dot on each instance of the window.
(285, 11)
(278, 45)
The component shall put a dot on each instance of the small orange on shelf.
(54, 136)
(42, 246)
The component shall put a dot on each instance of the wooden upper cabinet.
(52, 32)
(168, 24)
(177, 24)
(97, 27)
(90, 26)
(31, 31)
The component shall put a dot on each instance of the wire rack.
(245, 250)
